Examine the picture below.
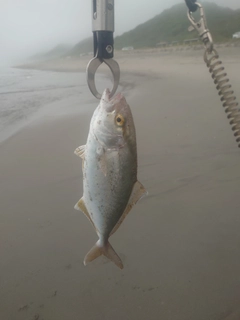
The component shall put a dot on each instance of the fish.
(109, 166)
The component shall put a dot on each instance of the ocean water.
(27, 94)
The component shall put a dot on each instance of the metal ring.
(91, 70)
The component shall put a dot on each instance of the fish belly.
(107, 191)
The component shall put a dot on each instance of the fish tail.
(106, 250)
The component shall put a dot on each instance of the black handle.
(103, 44)
(191, 5)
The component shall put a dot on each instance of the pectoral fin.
(103, 165)
(102, 160)
(80, 205)
(137, 193)
(80, 151)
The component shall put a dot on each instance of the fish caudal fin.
(106, 250)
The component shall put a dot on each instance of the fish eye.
(119, 120)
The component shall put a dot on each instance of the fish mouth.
(106, 96)
(108, 102)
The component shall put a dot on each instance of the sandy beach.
(180, 245)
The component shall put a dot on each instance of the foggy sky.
(32, 26)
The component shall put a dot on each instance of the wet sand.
(180, 245)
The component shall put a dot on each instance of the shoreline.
(129, 60)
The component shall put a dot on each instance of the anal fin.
(137, 193)
(80, 206)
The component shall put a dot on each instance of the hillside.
(172, 25)
(56, 52)
(82, 47)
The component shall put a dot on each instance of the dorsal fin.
(80, 151)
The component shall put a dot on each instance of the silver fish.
(109, 164)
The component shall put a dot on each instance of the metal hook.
(91, 70)
(201, 27)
